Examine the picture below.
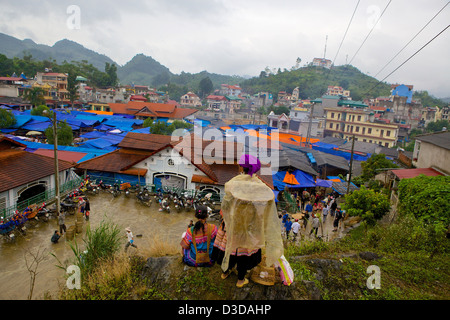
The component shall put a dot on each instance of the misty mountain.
(62, 50)
(143, 70)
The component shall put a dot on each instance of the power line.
(375, 24)
(345, 34)
(426, 44)
(412, 38)
(343, 38)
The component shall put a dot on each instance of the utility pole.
(55, 141)
(308, 133)
(351, 164)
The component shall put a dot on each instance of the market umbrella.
(33, 133)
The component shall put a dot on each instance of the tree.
(437, 126)
(368, 204)
(7, 119)
(64, 132)
(111, 74)
(372, 166)
(161, 79)
(35, 96)
(42, 110)
(205, 86)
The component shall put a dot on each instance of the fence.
(153, 188)
(46, 196)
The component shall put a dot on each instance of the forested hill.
(313, 82)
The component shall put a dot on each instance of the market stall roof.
(296, 179)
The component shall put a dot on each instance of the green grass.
(409, 269)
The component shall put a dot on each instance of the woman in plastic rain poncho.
(251, 220)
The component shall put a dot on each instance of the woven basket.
(263, 275)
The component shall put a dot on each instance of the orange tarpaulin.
(290, 178)
(282, 137)
(101, 112)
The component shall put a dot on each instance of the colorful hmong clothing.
(201, 241)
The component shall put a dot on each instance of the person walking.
(288, 227)
(333, 207)
(130, 239)
(315, 225)
(337, 219)
(61, 222)
(324, 214)
(295, 229)
(87, 209)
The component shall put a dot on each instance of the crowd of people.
(204, 244)
(313, 210)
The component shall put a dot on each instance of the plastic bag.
(285, 270)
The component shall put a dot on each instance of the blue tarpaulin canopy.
(142, 130)
(21, 120)
(324, 183)
(304, 180)
(98, 143)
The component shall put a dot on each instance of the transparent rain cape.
(251, 218)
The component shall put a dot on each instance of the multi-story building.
(345, 122)
(337, 91)
(58, 81)
(190, 99)
(321, 62)
(230, 90)
(216, 103)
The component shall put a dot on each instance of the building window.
(359, 118)
(332, 115)
(170, 162)
(369, 130)
(331, 126)
(357, 129)
(388, 133)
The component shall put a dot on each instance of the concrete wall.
(430, 155)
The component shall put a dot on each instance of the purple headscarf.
(252, 163)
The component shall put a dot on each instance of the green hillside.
(63, 50)
(313, 82)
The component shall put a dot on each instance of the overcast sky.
(244, 37)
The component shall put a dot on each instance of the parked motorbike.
(43, 212)
(144, 197)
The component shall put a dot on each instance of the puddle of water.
(123, 211)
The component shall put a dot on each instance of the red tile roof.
(143, 141)
(116, 161)
(152, 109)
(412, 173)
(69, 156)
(18, 167)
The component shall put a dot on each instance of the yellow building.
(104, 107)
(346, 122)
(58, 82)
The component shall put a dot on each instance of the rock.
(158, 269)
(369, 256)
(313, 291)
(324, 266)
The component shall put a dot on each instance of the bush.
(368, 204)
(427, 198)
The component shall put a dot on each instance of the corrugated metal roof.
(412, 173)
